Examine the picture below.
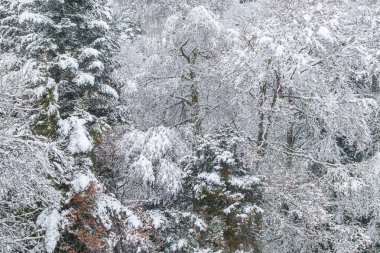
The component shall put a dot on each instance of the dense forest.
(190, 126)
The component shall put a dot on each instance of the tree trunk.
(289, 146)
(261, 131)
(195, 110)
(374, 84)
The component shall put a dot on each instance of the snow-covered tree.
(219, 207)
(57, 83)
(308, 114)
(290, 71)
(95, 221)
(119, 125)
(179, 81)
(70, 44)
(28, 188)
(143, 166)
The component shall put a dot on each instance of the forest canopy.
(189, 126)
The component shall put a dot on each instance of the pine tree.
(71, 44)
(218, 209)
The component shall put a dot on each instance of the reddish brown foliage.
(86, 230)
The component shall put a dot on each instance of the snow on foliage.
(50, 223)
(158, 219)
(213, 209)
(107, 205)
(96, 65)
(99, 24)
(108, 90)
(82, 180)
(245, 182)
(84, 79)
(297, 80)
(89, 52)
(68, 62)
(31, 170)
(203, 24)
(27, 16)
(212, 178)
(103, 221)
(79, 139)
(151, 159)
(325, 33)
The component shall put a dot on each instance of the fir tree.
(218, 208)
(71, 44)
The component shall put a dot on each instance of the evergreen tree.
(71, 43)
(218, 209)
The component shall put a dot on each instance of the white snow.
(64, 127)
(53, 109)
(280, 50)
(158, 144)
(212, 177)
(67, 62)
(106, 89)
(230, 208)
(351, 186)
(334, 23)
(74, 127)
(79, 139)
(27, 16)
(40, 91)
(84, 79)
(200, 17)
(265, 40)
(144, 168)
(158, 220)
(226, 157)
(171, 24)
(145, 155)
(96, 65)
(89, 52)
(250, 208)
(245, 182)
(169, 176)
(181, 243)
(81, 181)
(107, 206)
(133, 220)
(99, 24)
(50, 221)
(325, 33)
(200, 223)
(25, 1)
(131, 87)
(307, 17)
